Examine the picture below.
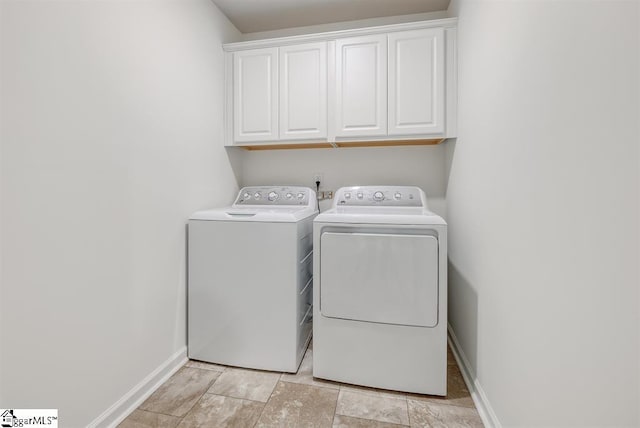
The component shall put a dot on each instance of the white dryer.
(380, 291)
(250, 279)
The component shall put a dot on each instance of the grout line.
(333, 388)
(201, 395)
(236, 398)
(335, 408)
(266, 402)
(366, 390)
(406, 406)
(219, 368)
(152, 411)
(198, 368)
(260, 415)
(373, 420)
(434, 401)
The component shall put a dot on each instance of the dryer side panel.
(380, 277)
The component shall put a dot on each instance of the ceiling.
(250, 16)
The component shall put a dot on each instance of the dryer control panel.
(381, 196)
(275, 195)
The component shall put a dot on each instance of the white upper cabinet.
(255, 95)
(416, 82)
(388, 85)
(303, 91)
(361, 86)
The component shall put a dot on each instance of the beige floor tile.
(218, 411)
(253, 385)
(305, 374)
(144, 419)
(341, 421)
(295, 405)
(378, 407)
(373, 391)
(457, 392)
(451, 360)
(205, 366)
(177, 395)
(432, 415)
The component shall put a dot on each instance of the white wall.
(111, 137)
(543, 209)
(417, 166)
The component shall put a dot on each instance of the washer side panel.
(243, 294)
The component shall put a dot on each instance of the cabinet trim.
(387, 143)
(285, 146)
(339, 144)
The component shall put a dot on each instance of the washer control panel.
(275, 195)
(391, 196)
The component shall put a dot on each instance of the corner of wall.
(480, 399)
(452, 10)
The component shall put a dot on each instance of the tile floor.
(209, 395)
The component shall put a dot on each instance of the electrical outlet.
(325, 194)
(318, 176)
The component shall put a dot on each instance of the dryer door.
(383, 278)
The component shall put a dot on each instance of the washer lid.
(271, 214)
(265, 203)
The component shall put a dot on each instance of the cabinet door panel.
(255, 95)
(416, 82)
(303, 91)
(361, 86)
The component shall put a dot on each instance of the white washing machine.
(380, 291)
(250, 279)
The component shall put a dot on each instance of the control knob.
(378, 196)
(273, 196)
(289, 195)
(257, 195)
(246, 195)
(301, 196)
(397, 196)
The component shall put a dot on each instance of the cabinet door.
(361, 86)
(303, 91)
(416, 82)
(255, 95)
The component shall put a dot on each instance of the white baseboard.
(136, 396)
(480, 399)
